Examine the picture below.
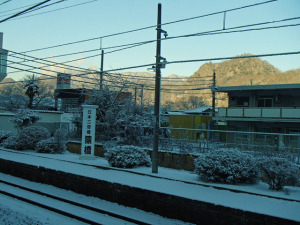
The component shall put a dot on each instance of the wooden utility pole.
(157, 93)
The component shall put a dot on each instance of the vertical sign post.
(88, 131)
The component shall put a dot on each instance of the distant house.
(69, 100)
(189, 119)
(265, 109)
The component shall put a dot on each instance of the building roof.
(200, 110)
(258, 87)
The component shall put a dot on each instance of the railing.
(197, 141)
(283, 113)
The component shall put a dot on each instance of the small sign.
(88, 131)
(63, 81)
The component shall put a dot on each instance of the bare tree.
(37, 91)
(12, 96)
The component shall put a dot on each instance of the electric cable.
(20, 13)
(148, 27)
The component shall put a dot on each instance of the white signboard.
(63, 81)
(88, 131)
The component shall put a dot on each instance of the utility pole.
(142, 97)
(157, 93)
(101, 70)
(135, 91)
(214, 94)
(212, 122)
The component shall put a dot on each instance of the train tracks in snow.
(69, 208)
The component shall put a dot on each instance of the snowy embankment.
(288, 209)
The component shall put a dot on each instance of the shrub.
(60, 139)
(127, 156)
(31, 135)
(4, 134)
(279, 172)
(24, 118)
(46, 146)
(226, 166)
(56, 144)
(12, 142)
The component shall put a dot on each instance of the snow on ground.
(13, 211)
(247, 202)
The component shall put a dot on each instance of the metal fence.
(197, 141)
(194, 141)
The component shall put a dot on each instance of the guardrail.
(284, 113)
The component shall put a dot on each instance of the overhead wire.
(148, 27)
(214, 32)
(55, 9)
(22, 12)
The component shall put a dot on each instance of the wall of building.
(188, 122)
(50, 120)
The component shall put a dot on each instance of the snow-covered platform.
(170, 193)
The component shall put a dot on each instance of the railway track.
(63, 206)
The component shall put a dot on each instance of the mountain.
(243, 71)
(7, 81)
(240, 72)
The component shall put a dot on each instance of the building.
(70, 100)
(188, 121)
(3, 59)
(266, 109)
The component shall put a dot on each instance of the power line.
(148, 27)
(15, 9)
(20, 13)
(7, 1)
(235, 57)
(208, 59)
(55, 9)
(189, 35)
(214, 32)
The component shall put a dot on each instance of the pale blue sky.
(104, 17)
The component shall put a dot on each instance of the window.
(265, 102)
(295, 101)
(242, 101)
(293, 138)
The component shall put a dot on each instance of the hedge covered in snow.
(11, 142)
(226, 166)
(127, 156)
(4, 134)
(56, 144)
(25, 118)
(31, 135)
(278, 172)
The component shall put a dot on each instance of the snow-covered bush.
(12, 142)
(226, 166)
(4, 134)
(60, 139)
(24, 118)
(127, 156)
(278, 172)
(47, 146)
(31, 135)
(53, 145)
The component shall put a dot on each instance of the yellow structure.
(188, 121)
